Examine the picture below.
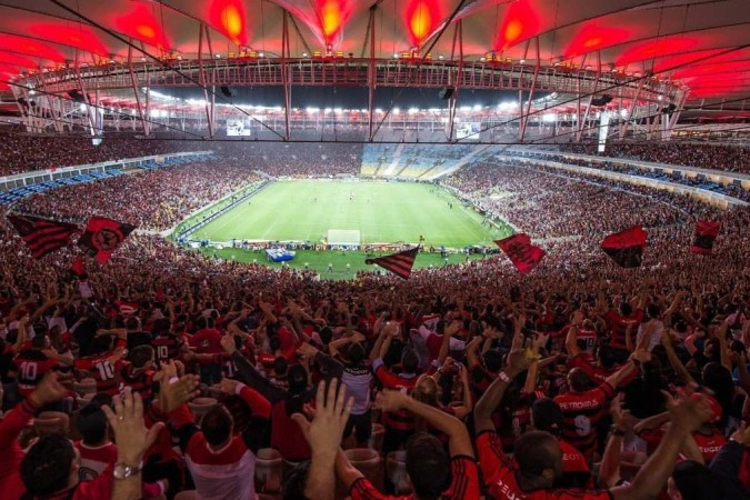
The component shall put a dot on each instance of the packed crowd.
(619, 383)
(711, 156)
(155, 199)
(22, 153)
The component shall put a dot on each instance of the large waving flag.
(626, 248)
(399, 264)
(42, 236)
(102, 237)
(521, 252)
(706, 232)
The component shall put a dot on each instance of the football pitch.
(383, 212)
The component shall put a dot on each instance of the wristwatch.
(123, 471)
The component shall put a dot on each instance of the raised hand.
(332, 409)
(388, 400)
(48, 391)
(227, 343)
(689, 410)
(131, 435)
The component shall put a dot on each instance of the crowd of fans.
(620, 383)
(155, 199)
(711, 156)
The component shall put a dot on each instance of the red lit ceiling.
(705, 43)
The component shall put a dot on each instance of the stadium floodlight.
(477, 107)
(363, 110)
(328, 111)
(465, 108)
(396, 111)
(379, 110)
(338, 111)
(413, 111)
(312, 110)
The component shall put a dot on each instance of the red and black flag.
(42, 236)
(103, 237)
(399, 264)
(706, 232)
(626, 248)
(521, 252)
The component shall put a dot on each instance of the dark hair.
(695, 481)
(280, 365)
(493, 360)
(201, 323)
(297, 378)
(356, 353)
(326, 335)
(100, 344)
(606, 355)
(428, 466)
(578, 379)
(547, 416)
(161, 325)
(141, 355)
(217, 425)
(409, 360)
(92, 424)
(38, 342)
(131, 323)
(45, 469)
(533, 453)
(625, 308)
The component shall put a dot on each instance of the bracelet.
(504, 377)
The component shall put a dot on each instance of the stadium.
(328, 249)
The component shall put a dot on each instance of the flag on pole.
(42, 236)
(521, 252)
(102, 237)
(626, 247)
(399, 264)
(706, 232)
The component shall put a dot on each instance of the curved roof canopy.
(704, 43)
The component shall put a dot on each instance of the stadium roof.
(704, 43)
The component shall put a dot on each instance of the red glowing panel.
(712, 69)
(16, 60)
(591, 37)
(228, 16)
(520, 23)
(422, 17)
(80, 37)
(657, 48)
(30, 47)
(141, 24)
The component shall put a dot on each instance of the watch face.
(120, 471)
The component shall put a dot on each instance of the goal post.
(344, 237)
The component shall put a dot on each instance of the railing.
(354, 72)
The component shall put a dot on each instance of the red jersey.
(464, 484)
(618, 326)
(104, 369)
(207, 341)
(140, 381)
(401, 420)
(32, 365)
(582, 412)
(500, 476)
(167, 347)
(709, 445)
(94, 460)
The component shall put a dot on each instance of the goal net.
(343, 237)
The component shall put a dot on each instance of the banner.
(102, 237)
(706, 232)
(626, 248)
(399, 264)
(42, 236)
(521, 252)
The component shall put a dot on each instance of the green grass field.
(384, 212)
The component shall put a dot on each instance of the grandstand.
(283, 249)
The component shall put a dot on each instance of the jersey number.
(29, 370)
(106, 372)
(162, 351)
